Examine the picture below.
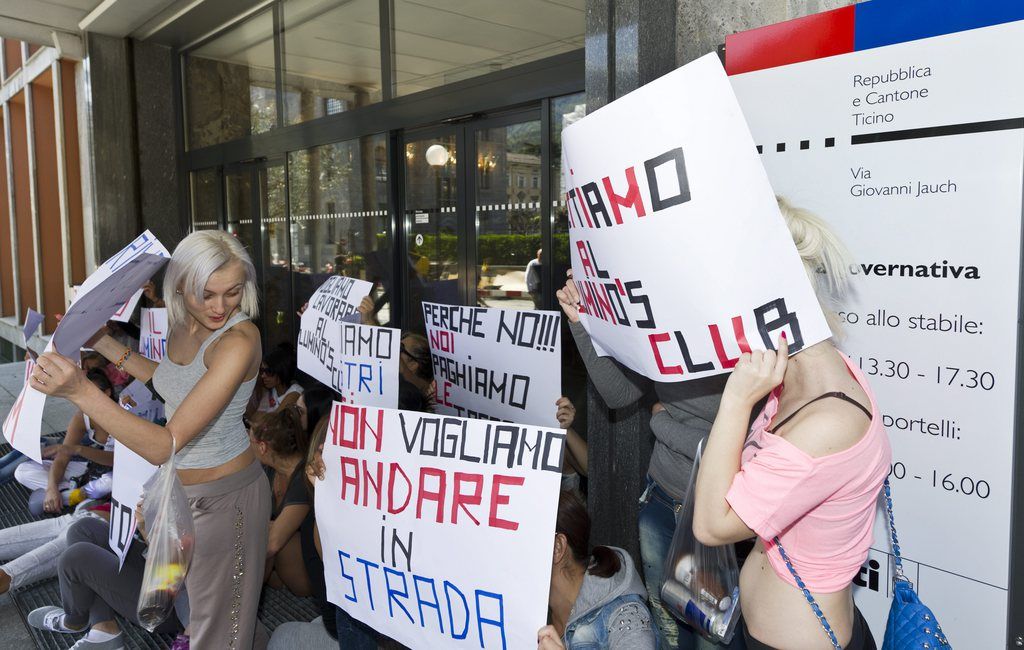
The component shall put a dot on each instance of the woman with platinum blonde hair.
(804, 480)
(206, 378)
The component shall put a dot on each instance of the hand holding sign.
(756, 374)
(59, 376)
(569, 299)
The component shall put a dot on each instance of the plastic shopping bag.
(701, 584)
(171, 536)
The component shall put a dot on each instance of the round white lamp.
(437, 155)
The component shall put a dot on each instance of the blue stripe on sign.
(884, 22)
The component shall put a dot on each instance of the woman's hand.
(656, 408)
(315, 469)
(367, 316)
(58, 376)
(548, 638)
(566, 412)
(756, 374)
(52, 502)
(569, 299)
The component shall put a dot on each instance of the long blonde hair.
(825, 257)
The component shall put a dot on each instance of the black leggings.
(861, 638)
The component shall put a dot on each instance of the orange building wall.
(48, 199)
(6, 272)
(12, 56)
(22, 203)
(74, 172)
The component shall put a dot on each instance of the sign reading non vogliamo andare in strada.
(437, 530)
(679, 252)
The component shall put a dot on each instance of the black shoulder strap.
(836, 394)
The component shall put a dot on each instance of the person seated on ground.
(93, 590)
(280, 443)
(82, 443)
(277, 388)
(575, 465)
(31, 551)
(597, 599)
(314, 403)
(321, 633)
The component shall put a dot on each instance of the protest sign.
(679, 252)
(107, 290)
(139, 400)
(360, 362)
(153, 335)
(436, 530)
(131, 472)
(495, 364)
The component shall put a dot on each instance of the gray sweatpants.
(232, 518)
(91, 587)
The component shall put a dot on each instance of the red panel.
(802, 39)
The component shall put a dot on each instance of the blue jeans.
(8, 463)
(657, 525)
(353, 634)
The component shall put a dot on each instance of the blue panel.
(884, 22)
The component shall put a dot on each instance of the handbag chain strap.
(897, 558)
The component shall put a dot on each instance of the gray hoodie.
(595, 616)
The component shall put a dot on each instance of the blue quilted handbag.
(911, 625)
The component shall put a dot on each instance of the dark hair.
(574, 522)
(419, 350)
(281, 363)
(282, 431)
(318, 401)
(100, 379)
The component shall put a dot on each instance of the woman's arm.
(229, 363)
(62, 453)
(286, 525)
(714, 521)
(137, 365)
(105, 458)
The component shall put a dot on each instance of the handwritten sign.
(360, 362)
(136, 398)
(33, 320)
(103, 293)
(437, 530)
(153, 335)
(495, 364)
(679, 252)
(131, 472)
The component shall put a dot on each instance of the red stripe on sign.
(801, 39)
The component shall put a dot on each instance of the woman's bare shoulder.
(827, 427)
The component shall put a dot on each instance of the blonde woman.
(805, 479)
(206, 378)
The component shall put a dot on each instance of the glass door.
(507, 177)
(255, 212)
(433, 221)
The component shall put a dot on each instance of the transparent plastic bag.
(171, 536)
(702, 583)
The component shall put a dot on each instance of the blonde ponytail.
(826, 260)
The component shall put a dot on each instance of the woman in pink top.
(808, 473)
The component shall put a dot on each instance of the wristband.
(124, 359)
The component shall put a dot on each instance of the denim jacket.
(611, 613)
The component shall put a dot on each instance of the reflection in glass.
(229, 84)
(276, 301)
(331, 57)
(339, 217)
(564, 111)
(205, 199)
(431, 187)
(509, 256)
(444, 41)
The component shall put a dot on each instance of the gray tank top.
(225, 436)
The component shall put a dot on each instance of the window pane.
(230, 84)
(205, 199)
(564, 111)
(339, 217)
(508, 217)
(331, 57)
(444, 41)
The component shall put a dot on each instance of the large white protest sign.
(437, 530)
(153, 334)
(131, 472)
(679, 252)
(103, 293)
(139, 400)
(495, 364)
